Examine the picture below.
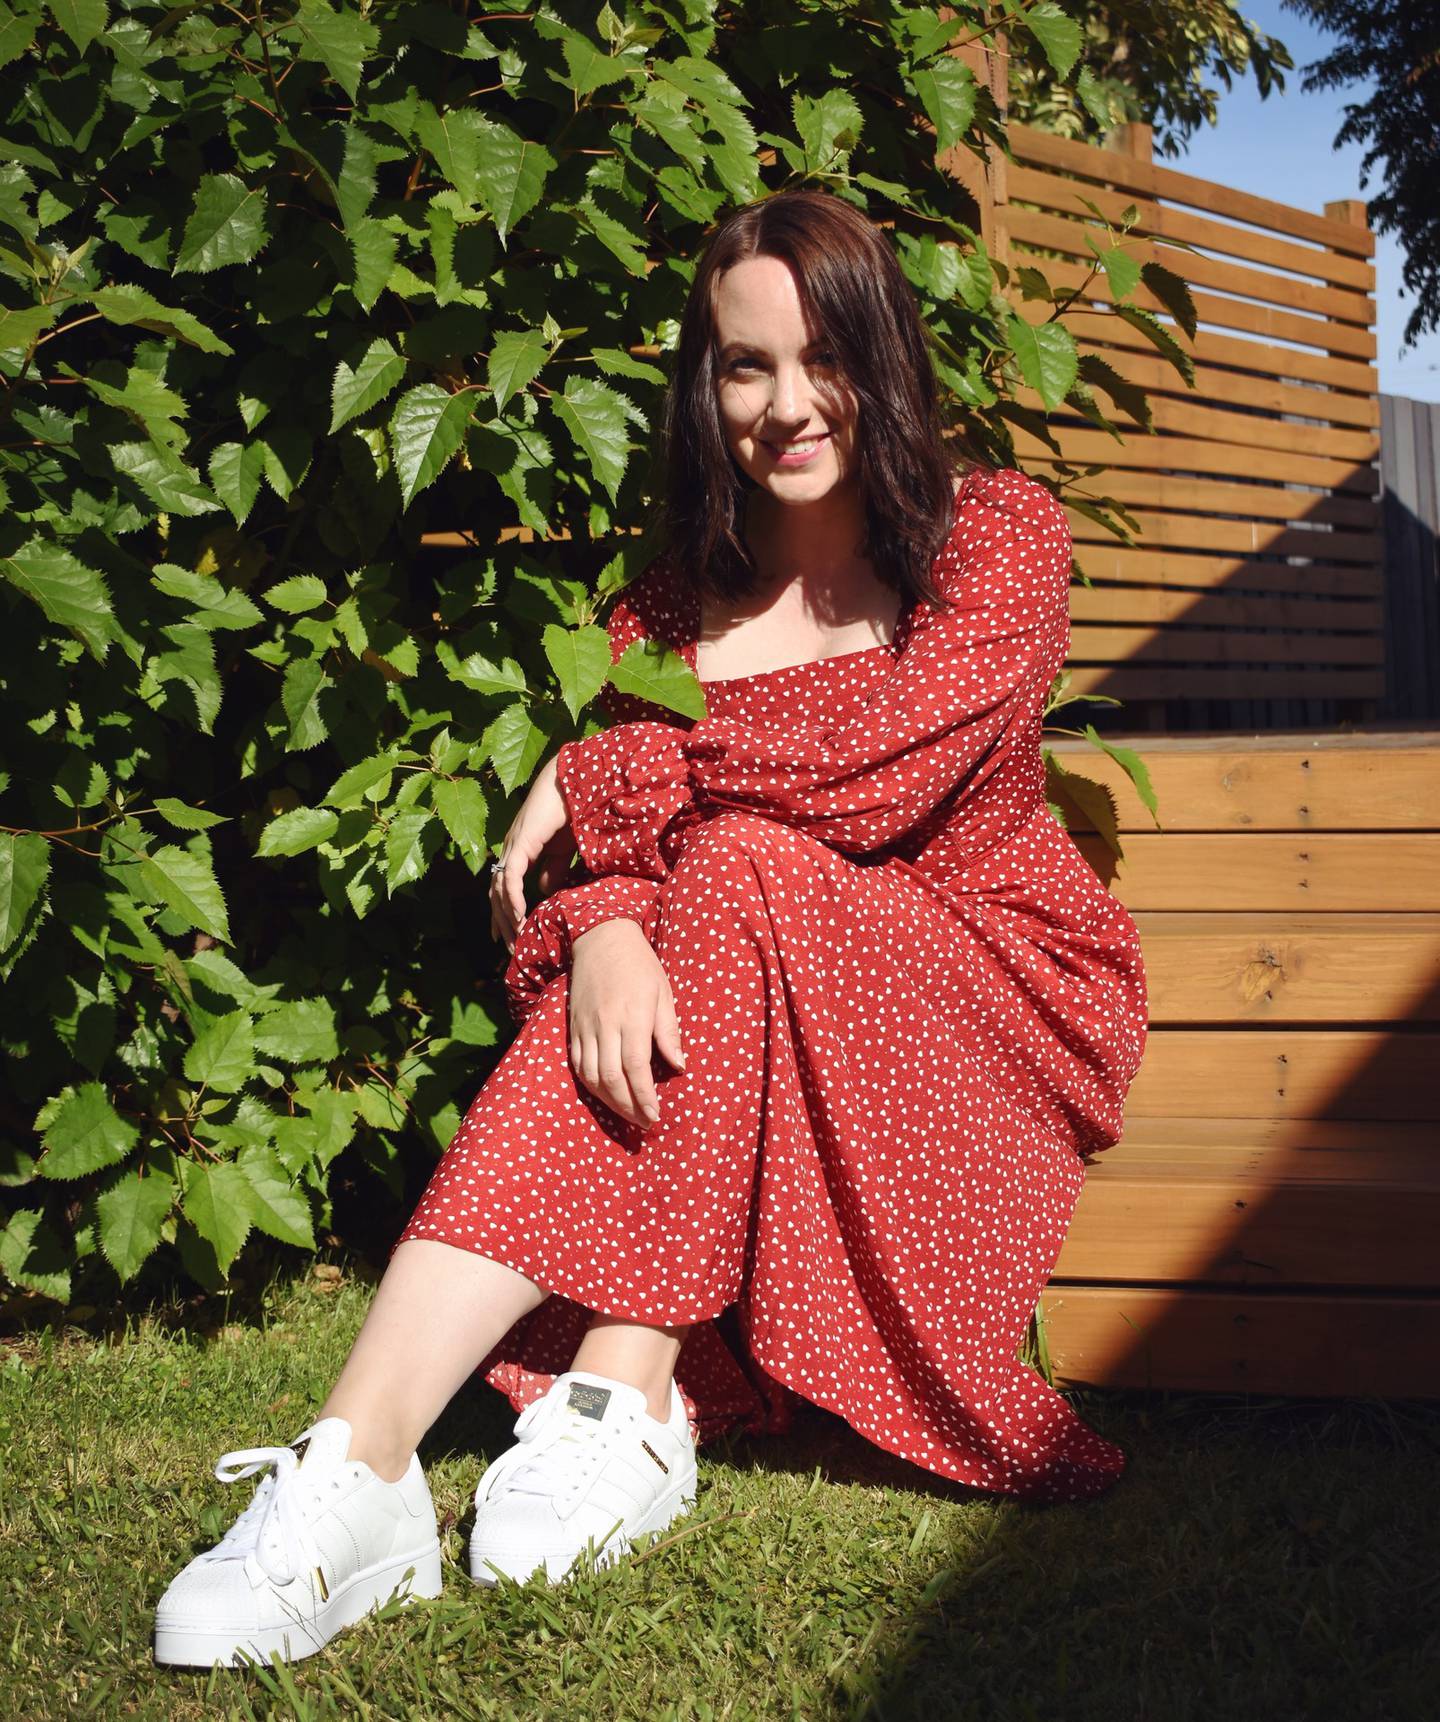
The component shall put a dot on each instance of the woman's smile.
(797, 451)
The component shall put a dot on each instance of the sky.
(1281, 147)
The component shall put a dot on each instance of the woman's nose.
(791, 401)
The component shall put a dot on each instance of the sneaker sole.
(679, 1499)
(185, 1646)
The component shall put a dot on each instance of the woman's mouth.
(799, 451)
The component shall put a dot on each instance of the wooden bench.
(1271, 1219)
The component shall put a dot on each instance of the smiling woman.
(889, 1005)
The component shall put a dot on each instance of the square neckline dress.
(911, 1013)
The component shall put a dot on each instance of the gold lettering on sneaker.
(654, 1455)
(324, 1588)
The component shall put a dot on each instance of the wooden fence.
(1410, 468)
(1253, 595)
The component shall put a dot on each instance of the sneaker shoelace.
(577, 1443)
(275, 1524)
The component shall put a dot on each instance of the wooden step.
(1386, 1073)
(1253, 1341)
(1264, 968)
(1260, 1202)
(1377, 781)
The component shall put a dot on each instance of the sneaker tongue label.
(588, 1400)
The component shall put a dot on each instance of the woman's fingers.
(667, 1026)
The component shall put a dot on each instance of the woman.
(809, 1059)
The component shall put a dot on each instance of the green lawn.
(1260, 1560)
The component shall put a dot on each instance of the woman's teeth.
(799, 447)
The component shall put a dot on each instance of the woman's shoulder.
(651, 606)
(1014, 525)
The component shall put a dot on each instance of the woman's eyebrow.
(733, 347)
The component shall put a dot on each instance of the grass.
(1260, 1559)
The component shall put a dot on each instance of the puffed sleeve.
(966, 688)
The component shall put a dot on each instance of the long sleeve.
(968, 686)
(549, 931)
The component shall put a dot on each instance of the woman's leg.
(634, 1352)
(435, 1314)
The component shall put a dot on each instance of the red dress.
(909, 1007)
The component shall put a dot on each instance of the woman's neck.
(814, 546)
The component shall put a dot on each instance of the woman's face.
(790, 420)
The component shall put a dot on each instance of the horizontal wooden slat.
(1251, 1341)
(1288, 1075)
(1187, 569)
(1181, 493)
(1240, 389)
(1218, 310)
(1096, 327)
(1078, 161)
(1222, 609)
(1061, 194)
(1121, 682)
(1314, 872)
(1138, 648)
(1243, 968)
(1227, 1202)
(1058, 233)
(1243, 537)
(1365, 781)
(1138, 452)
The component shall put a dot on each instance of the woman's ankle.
(387, 1454)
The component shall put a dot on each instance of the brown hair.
(851, 288)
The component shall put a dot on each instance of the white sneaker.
(323, 1541)
(591, 1469)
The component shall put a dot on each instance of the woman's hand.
(620, 1006)
(541, 832)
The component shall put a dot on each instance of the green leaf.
(186, 883)
(131, 1213)
(829, 128)
(1134, 767)
(947, 93)
(1046, 355)
(71, 595)
(222, 1055)
(511, 174)
(84, 1134)
(615, 361)
(1122, 271)
(33, 1257)
(339, 40)
(122, 302)
(653, 670)
(1075, 792)
(515, 360)
(299, 1033)
(19, 326)
(226, 225)
(24, 868)
(219, 1204)
(428, 425)
(1164, 342)
(1173, 292)
(278, 1206)
(580, 658)
(355, 784)
(301, 592)
(1057, 34)
(81, 20)
(165, 479)
(590, 68)
(301, 689)
(356, 389)
(294, 832)
(460, 802)
(595, 417)
(410, 845)
(186, 818)
(235, 476)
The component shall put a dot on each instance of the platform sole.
(184, 1645)
(678, 1499)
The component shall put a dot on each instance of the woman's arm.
(966, 685)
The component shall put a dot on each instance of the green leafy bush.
(281, 295)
